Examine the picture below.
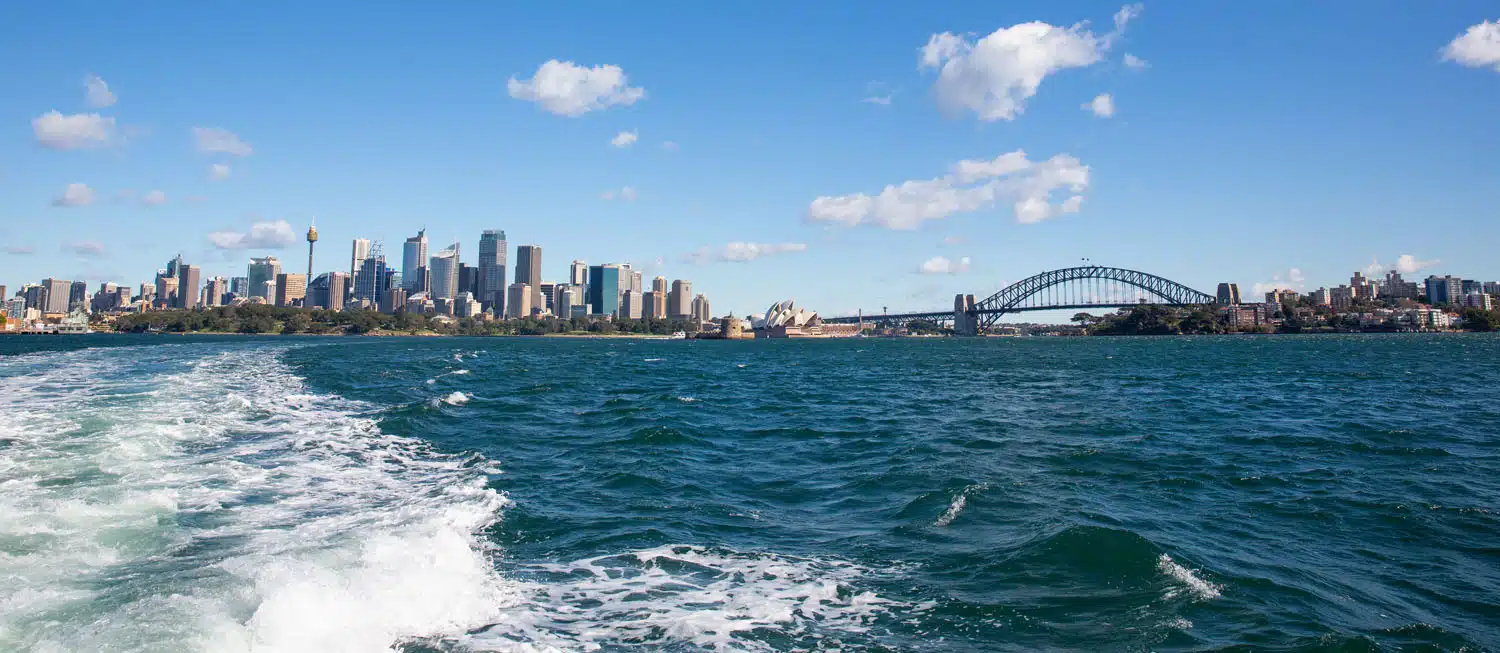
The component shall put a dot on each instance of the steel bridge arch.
(993, 307)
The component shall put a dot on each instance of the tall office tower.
(414, 263)
(147, 291)
(338, 289)
(187, 286)
(1229, 294)
(166, 290)
(700, 309)
(239, 286)
(518, 301)
(58, 294)
(35, 295)
(393, 300)
(357, 255)
(173, 265)
(444, 273)
(637, 281)
(291, 289)
(312, 239)
(567, 298)
(370, 283)
(215, 290)
(529, 265)
(467, 276)
(492, 253)
(680, 300)
(604, 289)
(653, 306)
(547, 290)
(659, 286)
(78, 294)
(1444, 290)
(259, 272)
(317, 292)
(122, 297)
(578, 274)
(3, 290)
(630, 305)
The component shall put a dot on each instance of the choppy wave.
(1199, 588)
(216, 505)
(960, 501)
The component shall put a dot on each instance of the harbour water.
(446, 494)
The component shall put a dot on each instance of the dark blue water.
(1246, 493)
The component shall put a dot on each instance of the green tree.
(1478, 319)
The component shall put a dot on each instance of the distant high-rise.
(547, 290)
(239, 286)
(414, 263)
(659, 286)
(680, 300)
(59, 292)
(529, 265)
(468, 279)
(214, 290)
(393, 300)
(35, 296)
(492, 253)
(653, 305)
(443, 273)
(173, 264)
(370, 284)
(1229, 294)
(78, 294)
(700, 309)
(291, 289)
(357, 255)
(3, 295)
(604, 289)
(518, 301)
(187, 286)
(166, 290)
(338, 284)
(630, 305)
(258, 273)
(578, 274)
(320, 293)
(1444, 290)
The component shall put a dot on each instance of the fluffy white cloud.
(1103, 105)
(154, 198)
(97, 93)
(972, 185)
(567, 89)
(59, 132)
(626, 194)
(1478, 47)
(218, 171)
(75, 194)
(1292, 279)
(1135, 63)
(215, 140)
(261, 235)
(996, 75)
(85, 248)
(740, 252)
(625, 139)
(942, 265)
(1405, 264)
(20, 250)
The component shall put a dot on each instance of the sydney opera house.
(786, 320)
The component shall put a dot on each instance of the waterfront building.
(604, 289)
(370, 284)
(260, 271)
(443, 305)
(680, 300)
(1320, 297)
(700, 309)
(214, 291)
(1362, 287)
(1281, 297)
(466, 306)
(35, 296)
(419, 303)
(291, 289)
(414, 263)
(1489, 288)
(443, 274)
(1478, 300)
(1342, 297)
(187, 286)
(392, 300)
(653, 305)
(786, 320)
(78, 295)
(58, 294)
(518, 301)
(630, 305)
(1229, 294)
(492, 252)
(1444, 290)
(102, 300)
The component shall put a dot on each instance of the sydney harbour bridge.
(1083, 287)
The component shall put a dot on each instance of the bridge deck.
(948, 315)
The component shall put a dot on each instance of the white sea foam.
(459, 372)
(456, 399)
(1201, 590)
(217, 506)
(957, 505)
(687, 400)
(654, 360)
(687, 595)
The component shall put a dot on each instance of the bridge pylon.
(965, 320)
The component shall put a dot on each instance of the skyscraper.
(187, 286)
(414, 263)
(214, 291)
(58, 294)
(578, 274)
(78, 294)
(166, 289)
(291, 289)
(680, 300)
(654, 305)
(659, 286)
(240, 286)
(258, 273)
(468, 279)
(492, 253)
(700, 309)
(357, 255)
(443, 271)
(529, 265)
(369, 285)
(630, 305)
(604, 289)
(518, 303)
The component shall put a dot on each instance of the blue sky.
(1256, 139)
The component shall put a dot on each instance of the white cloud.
(1136, 63)
(567, 89)
(59, 132)
(215, 140)
(741, 252)
(1408, 264)
(625, 139)
(85, 248)
(218, 171)
(626, 194)
(1292, 279)
(154, 198)
(972, 185)
(76, 194)
(20, 250)
(995, 75)
(1478, 47)
(97, 92)
(941, 265)
(262, 235)
(1103, 105)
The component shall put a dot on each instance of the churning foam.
(456, 399)
(707, 598)
(957, 505)
(198, 498)
(1201, 590)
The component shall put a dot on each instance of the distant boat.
(679, 335)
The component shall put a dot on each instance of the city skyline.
(1265, 161)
